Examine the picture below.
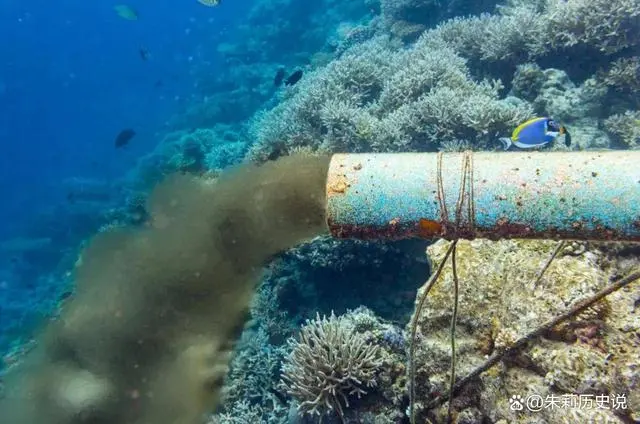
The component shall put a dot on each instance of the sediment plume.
(148, 335)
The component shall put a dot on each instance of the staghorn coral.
(625, 128)
(349, 34)
(253, 368)
(408, 10)
(624, 75)
(353, 81)
(510, 35)
(379, 98)
(329, 363)
(446, 115)
(420, 70)
(533, 28)
(348, 128)
(554, 94)
(407, 19)
(242, 412)
(607, 25)
(247, 395)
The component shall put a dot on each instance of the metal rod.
(544, 195)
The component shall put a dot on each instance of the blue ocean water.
(206, 88)
(71, 78)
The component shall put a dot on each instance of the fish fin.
(529, 146)
(567, 136)
(506, 142)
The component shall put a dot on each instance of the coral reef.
(625, 128)
(624, 75)
(534, 28)
(445, 90)
(329, 363)
(377, 98)
(593, 354)
(407, 19)
(196, 152)
(303, 281)
(386, 76)
(332, 343)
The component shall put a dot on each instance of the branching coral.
(196, 152)
(408, 10)
(608, 25)
(347, 127)
(407, 19)
(625, 127)
(448, 114)
(624, 75)
(420, 70)
(253, 368)
(535, 27)
(492, 37)
(554, 94)
(377, 97)
(325, 101)
(328, 363)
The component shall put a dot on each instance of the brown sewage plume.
(146, 340)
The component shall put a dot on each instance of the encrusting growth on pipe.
(535, 195)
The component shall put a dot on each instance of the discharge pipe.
(536, 195)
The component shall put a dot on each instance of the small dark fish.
(281, 397)
(144, 54)
(124, 137)
(71, 198)
(567, 136)
(294, 78)
(158, 84)
(277, 81)
(65, 295)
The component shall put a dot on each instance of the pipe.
(537, 195)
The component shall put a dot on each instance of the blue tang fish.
(535, 133)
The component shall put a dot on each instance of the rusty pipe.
(538, 195)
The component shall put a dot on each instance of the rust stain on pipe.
(558, 195)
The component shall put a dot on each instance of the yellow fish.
(210, 3)
(126, 12)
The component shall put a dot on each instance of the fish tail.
(567, 136)
(506, 142)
